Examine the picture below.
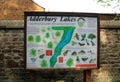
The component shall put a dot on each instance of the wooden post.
(32, 76)
(87, 75)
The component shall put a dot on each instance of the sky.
(89, 6)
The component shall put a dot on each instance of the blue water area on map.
(67, 35)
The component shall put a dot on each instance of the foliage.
(105, 2)
(115, 4)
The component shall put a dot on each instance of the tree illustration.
(30, 38)
(44, 63)
(70, 62)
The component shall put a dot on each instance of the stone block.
(11, 64)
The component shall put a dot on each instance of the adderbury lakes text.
(54, 19)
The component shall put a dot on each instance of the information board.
(56, 40)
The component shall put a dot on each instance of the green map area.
(66, 37)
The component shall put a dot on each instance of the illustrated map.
(61, 42)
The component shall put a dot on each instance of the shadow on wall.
(59, 76)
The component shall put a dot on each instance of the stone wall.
(12, 56)
(109, 57)
(12, 61)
